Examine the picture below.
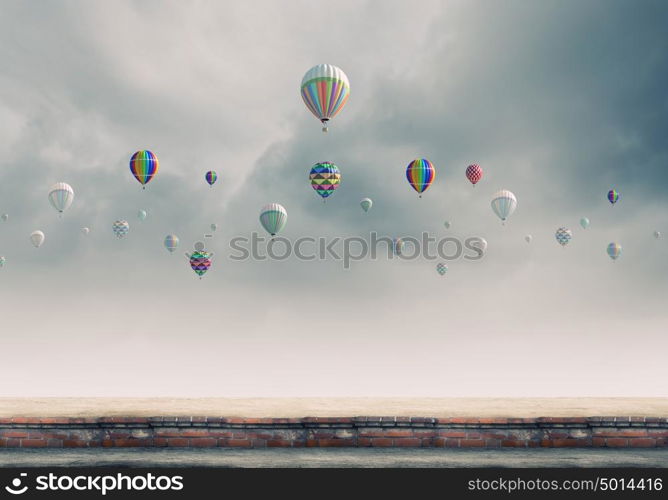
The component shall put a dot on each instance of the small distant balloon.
(478, 242)
(61, 196)
(614, 250)
(584, 222)
(142, 214)
(2, 261)
(441, 268)
(273, 218)
(121, 228)
(397, 246)
(613, 196)
(657, 234)
(528, 238)
(211, 177)
(563, 236)
(4, 217)
(447, 224)
(37, 238)
(85, 231)
(171, 242)
(214, 227)
(366, 204)
(199, 246)
(504, 204)
(144, 165)
(474, 173)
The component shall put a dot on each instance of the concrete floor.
(335, 458)
(332, 407)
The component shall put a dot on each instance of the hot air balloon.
(142, 214)
(584, 222)
(144, 165)
(614, 250)
(273, 218)
(447, 224)
(171, 242)
(85, 231)
(214, 227)
(420, 174)
(325, 90)
(474, 173)
(61, 195)
(2, 261)
(613, 196)
(37, 238)
(325, 178)
(397, 246)
(121, 228)
(504, 204)
(528, 238)
(211, 177)
(657, 234)
(563, 236)
(200, 262)
(366, 204)
(478, 242)
(441, 268)
(4, 217)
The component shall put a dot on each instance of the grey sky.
(557, 101)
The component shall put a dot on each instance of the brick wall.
(208, 432)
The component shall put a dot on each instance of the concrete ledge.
(361, 431)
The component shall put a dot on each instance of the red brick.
(311, 443)
(363, 442)
(616, 442)
(408, 442)
(159, 442)
(399, 433)
(241, 443)
(54, 435)
(513, 443)
(657, 432)
(54, 443)
(384, 442)
(131, 443)
(178, 442)
(463, 420)
(279, 443)
(203, 442)
(329, 443)
(14, 434)
(494, 435)
(473, 435)
(373, 432)
(613, 433)
(471, 443)
(452, 434)
(565, 443)
(195, 433)
(642, 443)
(13, 443)
(452, 443)
(598, 441)
(492, 443)
(75, 443)
(33, 443)
(258, 443)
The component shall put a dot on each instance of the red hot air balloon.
(474, 173)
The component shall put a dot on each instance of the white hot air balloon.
(61, 196)
(504, 204)
(447, 224)
(273, 218)
(2, 261)
(37, 238)
(657, 234)
(528, 238)
(366, 204)
(4, 217)
(142, 214)
(85, 231)
(214, 227)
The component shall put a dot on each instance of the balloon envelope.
(144, 165)
(563, 236)
(397, 246)
(613, 196)
(37, 238)
(214, 227)
(325, 90)
(584, 222)
(171, 242)
(528, 238)
(614, 250)
(325, 178)
(4, 217)
(211, 177)
(366, 204)
(474, 173)
(441, 268)
(447, 224)
(2, 261)
(61, 196)
(504, 204)
(142, 214)
(420, 174)
(85, 230)
(121, 228)
(273, 218)
(657, 234)
(200, 262)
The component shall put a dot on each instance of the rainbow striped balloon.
(420, 174)
(325, 90)
(613, 196)
(144, 165)
(211, 177)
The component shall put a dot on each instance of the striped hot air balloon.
(504, 204)
(171, 242)
(613, 196)
(144, 165)
(211, 177)
(325, 178)
(61, 196)
(614, 250)
(325, 90)
(273, 218)
(420, 174)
